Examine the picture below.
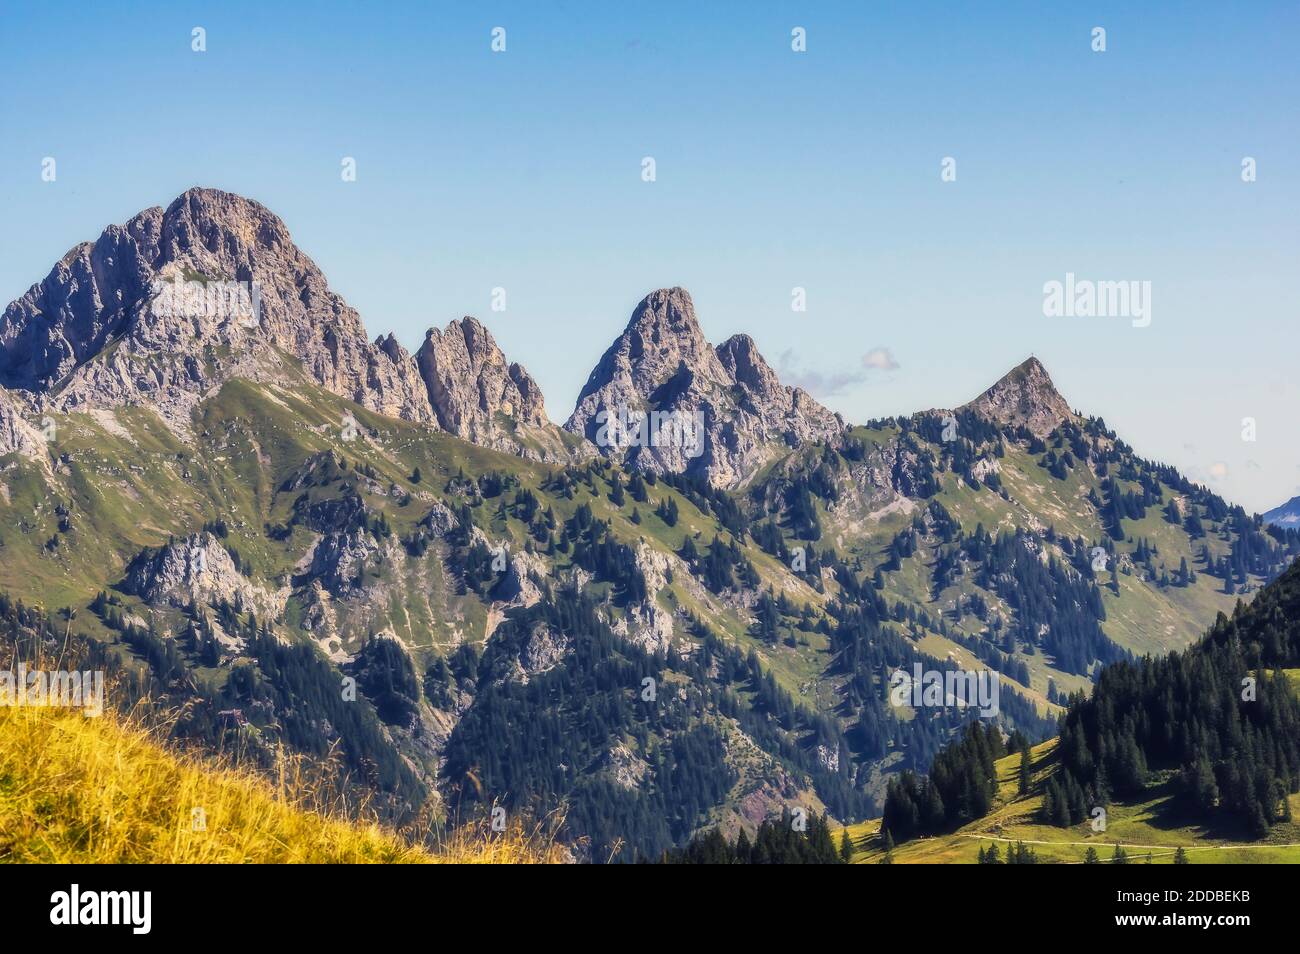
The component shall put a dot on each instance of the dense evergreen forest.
(867, 649)
(960, 787)
(1221, 719)
(776, 842)
(1221, 714)
(528, 746)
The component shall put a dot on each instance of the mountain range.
(682, 609)
(1287, 515)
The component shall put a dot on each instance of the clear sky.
(774, 169)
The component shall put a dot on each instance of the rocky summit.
(663, 368)
(160, 311)
(164, 310)
(1024, 396)
(474, 392)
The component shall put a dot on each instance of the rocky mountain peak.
(163, 310)
(716, 412)
(469, 383)
(224, 223)
(1024, 395)
(189, 296)
(662, 336)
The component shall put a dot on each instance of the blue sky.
(775, 169)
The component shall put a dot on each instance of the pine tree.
(846, 847)
(744, 851)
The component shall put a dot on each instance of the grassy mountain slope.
(869, 504)
(344, 532)
(1194, 750)
(264, 455)
(1155, 825)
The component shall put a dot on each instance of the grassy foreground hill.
(1154, 826)
(106, 791)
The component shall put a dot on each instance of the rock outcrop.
(341, 558)
(18, 434)
(473, 391)
(196, 568)
(665, 400)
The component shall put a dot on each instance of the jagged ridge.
(107, 328)
(662, 362)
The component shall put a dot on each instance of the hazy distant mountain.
(1287, 515)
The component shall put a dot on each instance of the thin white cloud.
(880, 359)
(816, 383)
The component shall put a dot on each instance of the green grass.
(1153, 825)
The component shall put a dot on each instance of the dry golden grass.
(75, 789)
(107, 790)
